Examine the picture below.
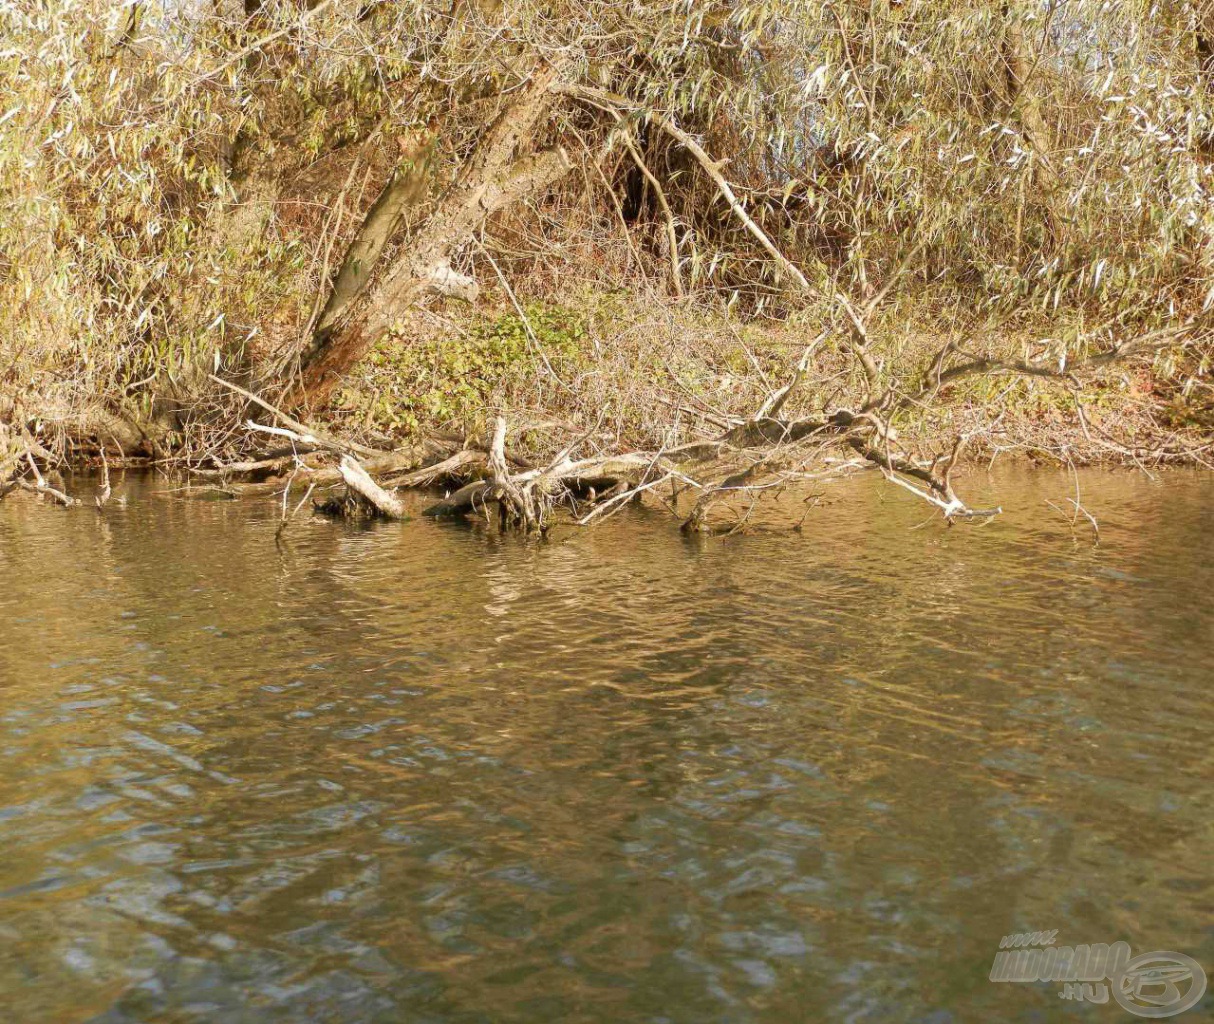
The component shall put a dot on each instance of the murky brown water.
(424, 773)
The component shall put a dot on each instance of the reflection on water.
(425, 773)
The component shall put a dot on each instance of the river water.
(422, 772)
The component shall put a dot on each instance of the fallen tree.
(752, 457)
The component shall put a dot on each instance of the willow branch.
(601, 98)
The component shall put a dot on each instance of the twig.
(531, 335)
(1079, 509)
(313, 435)
(103, 492)
(622, 497)
(286, 519)
(600, 98)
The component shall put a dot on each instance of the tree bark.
(406, 188)
(1018, 69)
(495, 177)
(1203, 42)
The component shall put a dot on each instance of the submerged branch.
(360, 485)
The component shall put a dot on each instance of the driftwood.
(527, 499)
(763, 454)
(361, 487)
(24, 457)
(516, 506)
(459, 464)
(243, 477)
(45, 490)
(250, 470)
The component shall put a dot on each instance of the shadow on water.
(425, 772)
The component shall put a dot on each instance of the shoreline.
(574, 405)
(83, 483)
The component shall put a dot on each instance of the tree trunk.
(494, 177)
(1018, 68)
(1203, 40)
(405, 188)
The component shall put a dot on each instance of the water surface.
(424, 773)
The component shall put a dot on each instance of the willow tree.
(183, 182)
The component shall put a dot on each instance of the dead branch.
(516, 507)
(104, 491)
(294, 430)
(359, 483)
(44, 489)
(250, 469)
(1067, 370)
(776, 401)
(536, 486)
(404, 460)
(447, 469)
(466, 499)
(603, 99)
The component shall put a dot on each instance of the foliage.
(178, 181)
(451, 379)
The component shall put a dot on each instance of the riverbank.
(682, 391)
(692, 252)
(641, 372)
(647, 372)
